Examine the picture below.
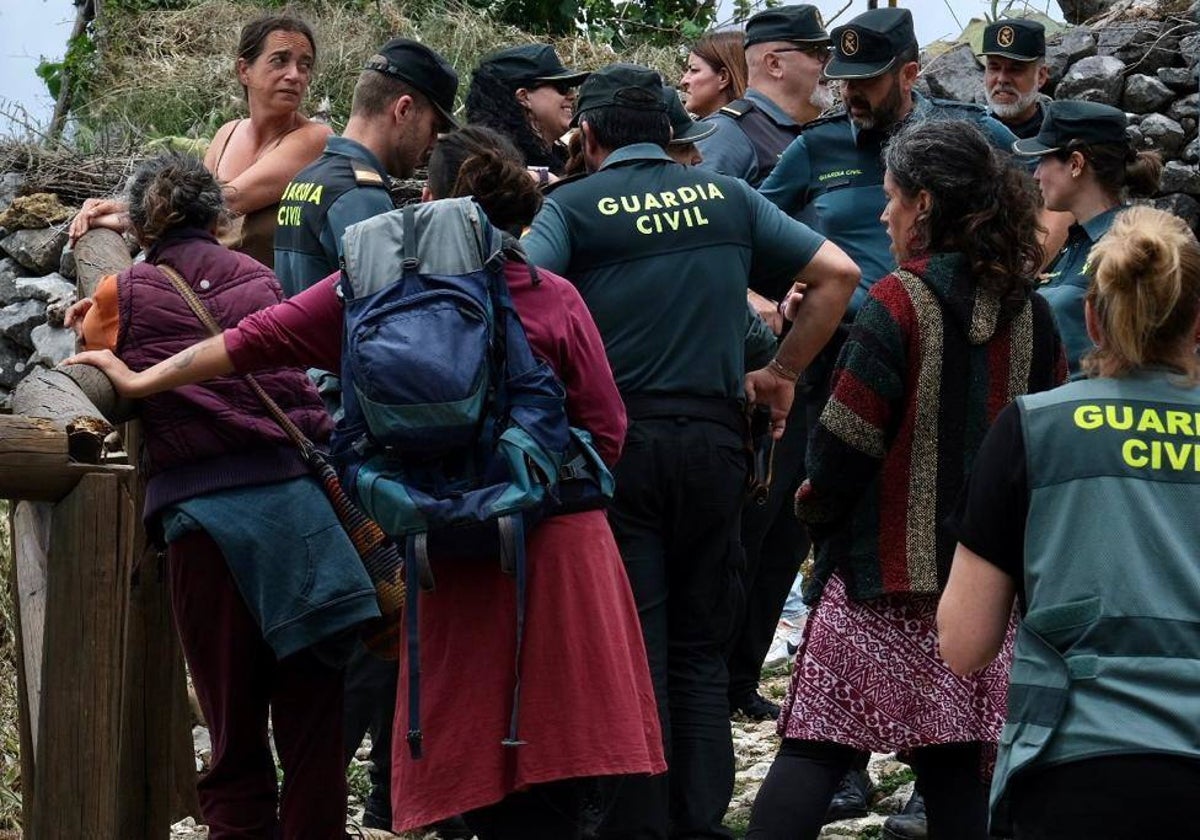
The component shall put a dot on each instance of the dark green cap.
(868, 45)
(1023, 40)
(800, 24)
(421, 67)
(623, 85)
(1072, 120)
(537, 63)
(684, 129)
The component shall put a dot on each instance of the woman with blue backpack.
(586, 705)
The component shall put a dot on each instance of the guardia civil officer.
(786, 48)
(661, 254)
(1082, 504)
(1088, 167)
(402, 99)
(685, 132)
(1014, 71)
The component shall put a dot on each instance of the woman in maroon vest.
(259, 568)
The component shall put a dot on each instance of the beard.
(1009, 110)
(822, 97)
(881, 116)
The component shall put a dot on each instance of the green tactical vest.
(1107, 659)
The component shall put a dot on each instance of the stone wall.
(1142, 57)
(36, 283)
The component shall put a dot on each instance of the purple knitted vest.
(214, 434)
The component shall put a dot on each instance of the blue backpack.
(455, 437)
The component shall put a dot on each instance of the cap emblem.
(849, 42)
(1006, 36)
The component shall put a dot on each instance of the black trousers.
(775, 544)
(369, 703)
(1125, 797)
(680, 484)
(792, 801)
(547, 811)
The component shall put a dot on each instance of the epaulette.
(737, 109)
(568, 179)
(366, 175)
(835, 114)
(954, 103)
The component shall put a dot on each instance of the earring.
(1074, 173)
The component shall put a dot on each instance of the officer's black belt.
(728, 412)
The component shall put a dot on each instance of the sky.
(30, 29)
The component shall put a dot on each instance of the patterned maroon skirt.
(868, 675)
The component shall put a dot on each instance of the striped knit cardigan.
(930, 361)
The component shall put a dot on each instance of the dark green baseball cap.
(421, 67)
(623, 85)
(1019, 39)
(530, 64)
(799, 24)
(1072, 120)
(684, 129)
(868, 45)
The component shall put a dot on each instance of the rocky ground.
(754, 746)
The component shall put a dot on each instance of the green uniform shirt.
(661, 254)
(1067, 284)
(832, 178)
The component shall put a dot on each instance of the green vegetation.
(159, 68)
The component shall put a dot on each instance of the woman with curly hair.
(258, 567)
(526, 94)
(942, 344)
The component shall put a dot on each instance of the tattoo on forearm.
(185, 359)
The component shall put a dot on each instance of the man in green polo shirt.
(661, 254)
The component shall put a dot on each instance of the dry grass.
(171, 72)
(10, 738)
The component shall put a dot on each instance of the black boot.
(909, 824)
(756, 707)
(852, 798)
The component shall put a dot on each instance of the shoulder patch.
(365, 175)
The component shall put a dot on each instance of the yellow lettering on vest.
(315, 198)
(1178, 457)
(1136, 461)
(700, 220)
(713, 192)
(1151, 422)
(630, 203)
(288, 215)
(687, 195)
(673, 219)
(1124, 421)
(1156, 454)
(607, 206)
(668, 199)
(1089, 417)
(1179, 423)
(651, 203)
(643, 225)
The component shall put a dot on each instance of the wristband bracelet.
(783, 371)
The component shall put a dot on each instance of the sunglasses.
(821, 54)
(563, 88)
